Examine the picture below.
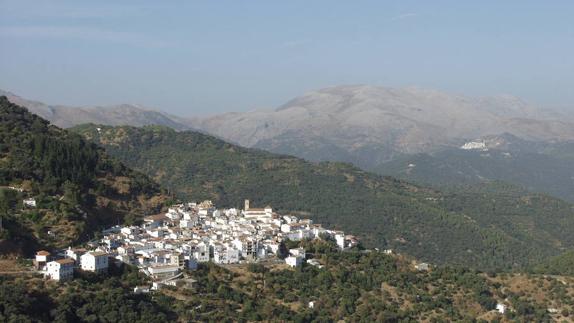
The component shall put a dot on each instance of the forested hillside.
(537, 166)
(353, 286)
(560, 265)
(456, 228)
(75, 185)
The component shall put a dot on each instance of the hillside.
(352, 286)
(536, 166)
(560, 265)
(368, 125)
(76, 186)
(383, 212)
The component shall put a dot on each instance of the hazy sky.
(205, 57)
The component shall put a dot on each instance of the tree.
(282, 252)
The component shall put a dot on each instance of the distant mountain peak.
(121, 114)
(369, 124)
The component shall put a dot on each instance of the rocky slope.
(368, 125)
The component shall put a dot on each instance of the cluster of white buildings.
(61, 268)
(192, 233)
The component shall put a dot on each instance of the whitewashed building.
(30, 203)
(294, 261)
(95, 262)
(60, 270)
(75, 254)
(225, 255)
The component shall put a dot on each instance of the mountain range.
(366, 125)
(384, 130)
(122, 114)
(369, 125)
(490, 225)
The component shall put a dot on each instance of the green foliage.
(78, 188)
(559, 265)
(461, 227)
(352, 286)
(540, 167)
(93, 300)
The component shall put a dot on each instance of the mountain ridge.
(382, 211)
(120, 114)
(73, 186)
(377, 123)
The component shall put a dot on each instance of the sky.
(196, 58)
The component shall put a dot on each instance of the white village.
(168, 244)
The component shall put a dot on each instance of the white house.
(314, 262)
(224, 255)
(257, 214)
(247, 246)
(75, 254)
(201, 253)
(188, 224)
(60, 270)
(30, 202)
(294, 261)
(141, 289)
(340, 239)
(501, 308)
(423, 266)
(297, 252)
(154, 221)
(163, 271)
(94, 261)
(42, 258)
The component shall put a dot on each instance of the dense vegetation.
(76, 186)
(560, 265)
(89, 298)
(354, 286)
(457, 228)
(538, 167)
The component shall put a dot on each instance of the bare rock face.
(368, 125)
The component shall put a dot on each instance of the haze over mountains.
(384, 130)
(122, 114)
(366, 125)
